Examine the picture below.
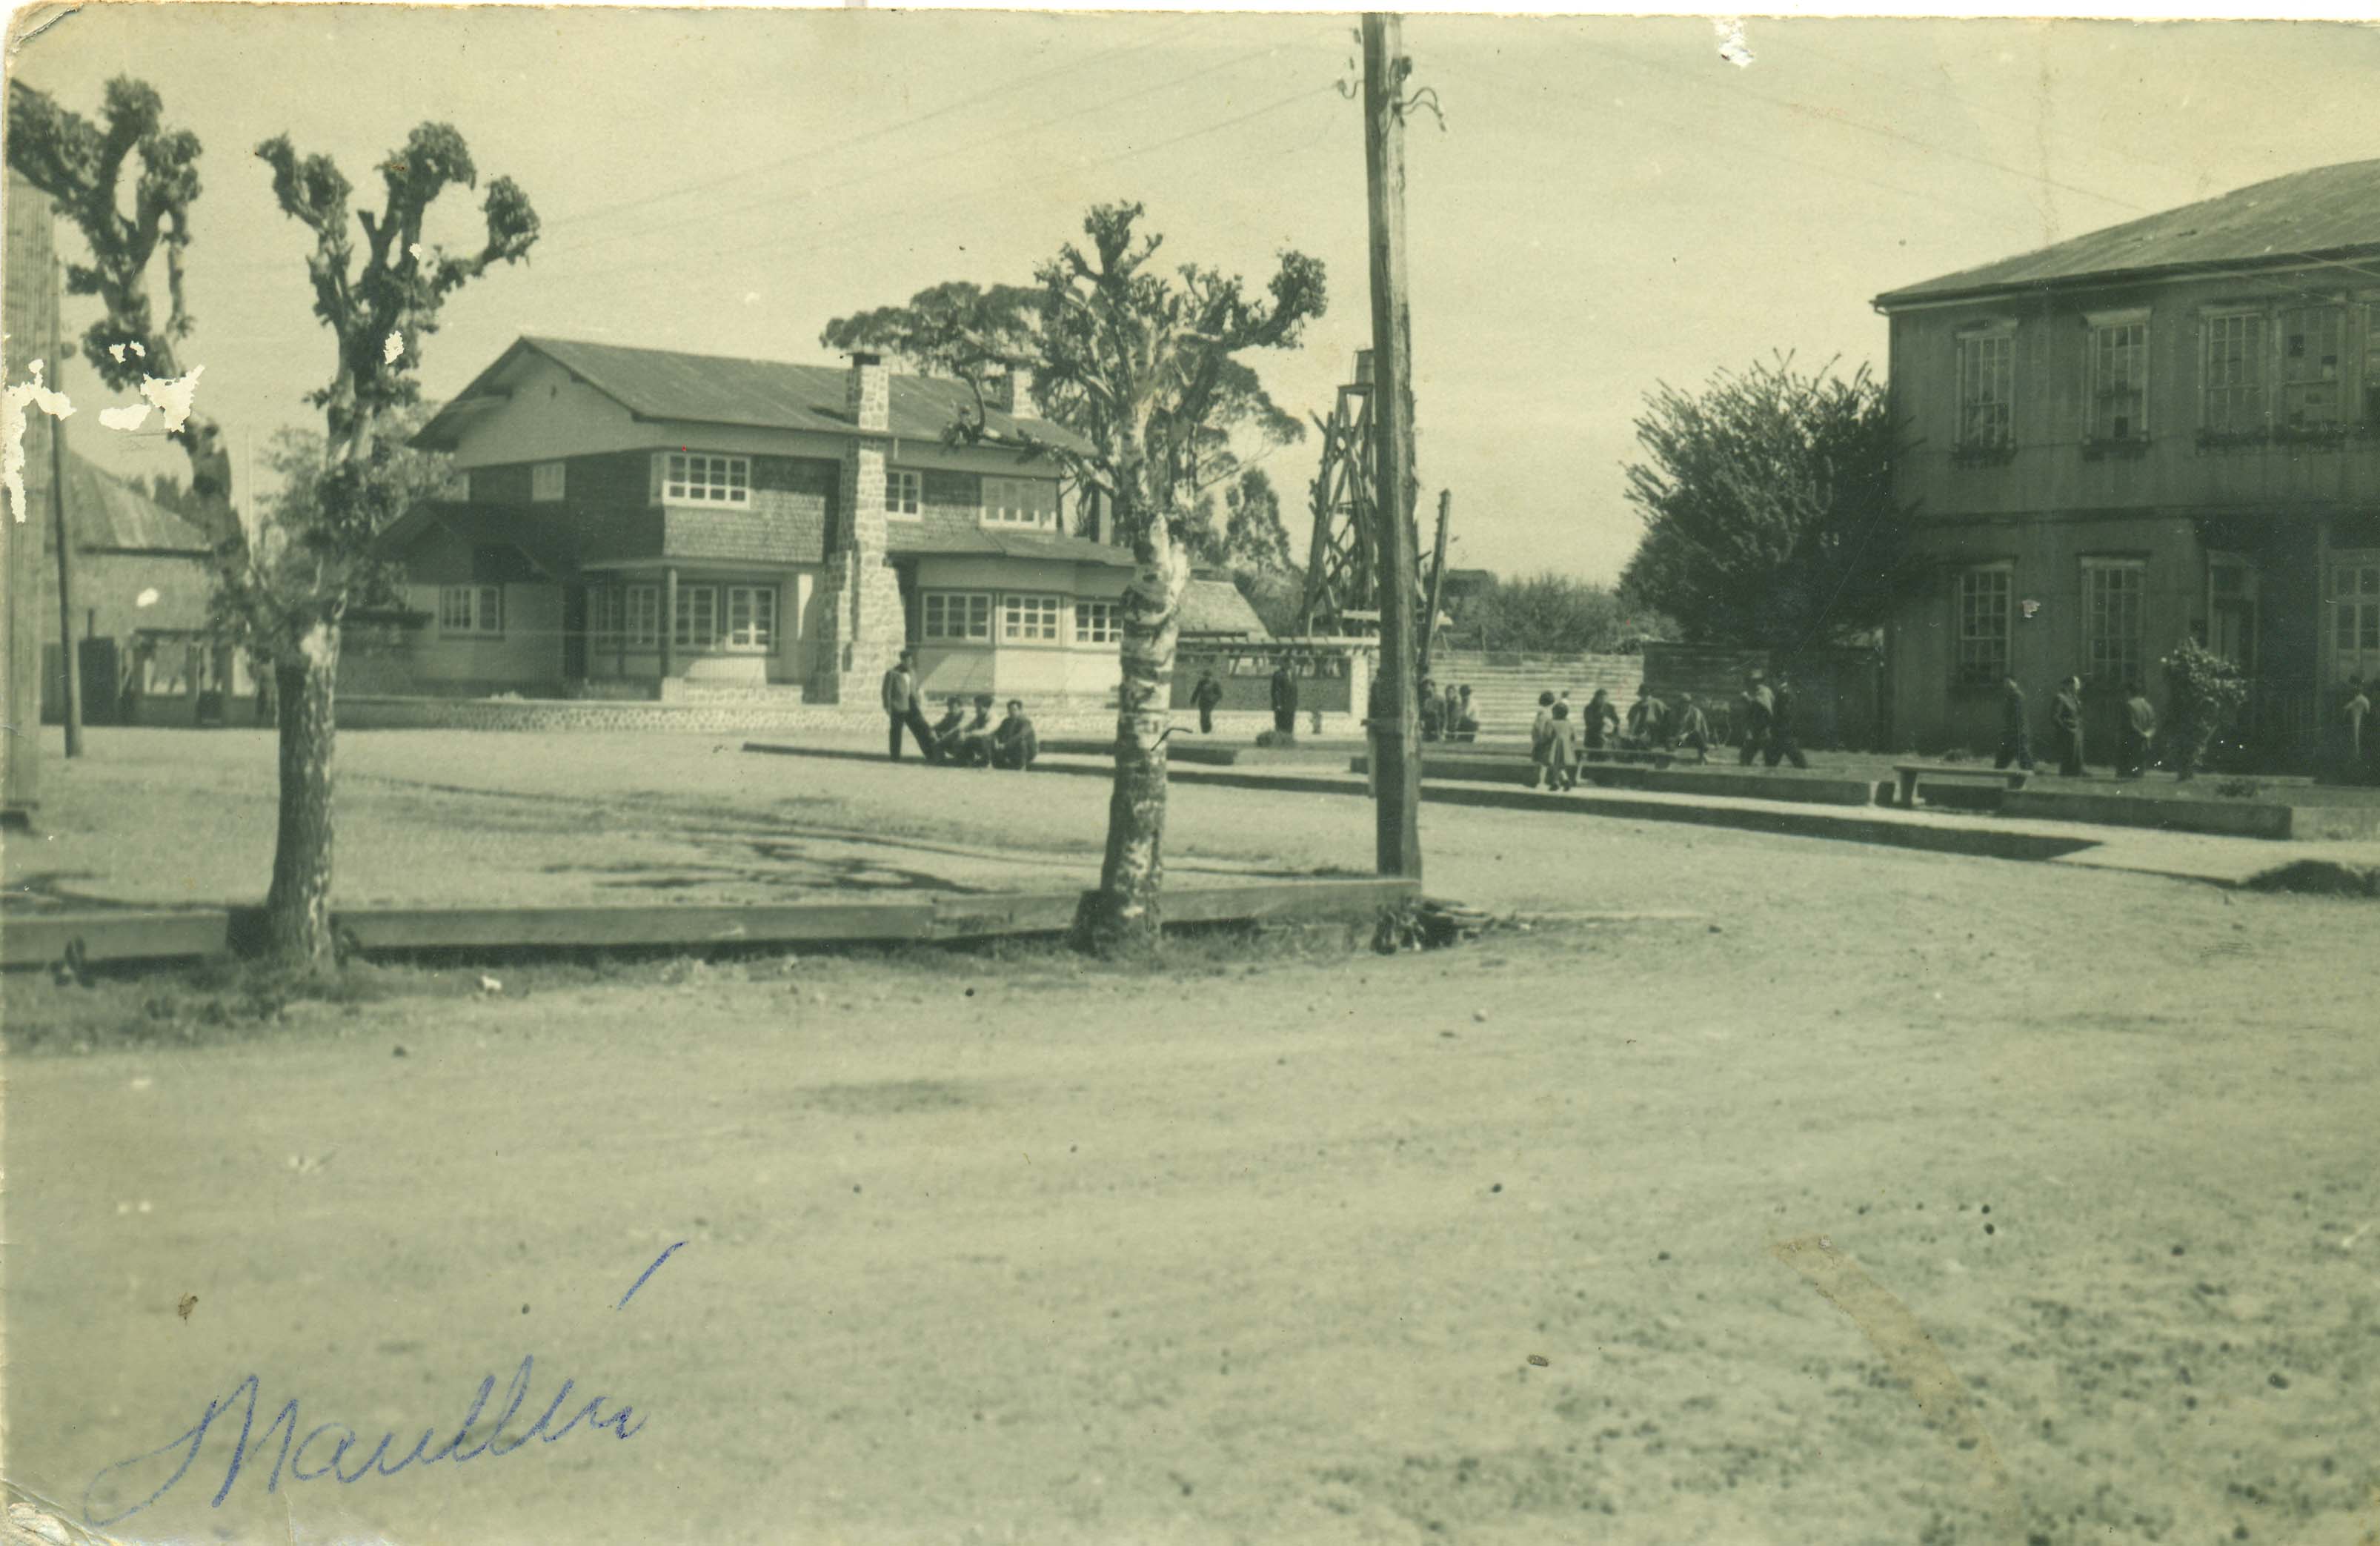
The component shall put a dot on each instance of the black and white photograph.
(857, 776)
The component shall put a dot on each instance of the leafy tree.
(82, 167)
(1558, 614)
(2202, 691)
(1144, 365)
(288, 595)
(1769, 517)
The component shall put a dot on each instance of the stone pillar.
(869, 628)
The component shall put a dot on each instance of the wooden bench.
(1910, 772)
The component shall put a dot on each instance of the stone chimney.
(1009, 393)
(870, 628)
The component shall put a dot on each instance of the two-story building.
(2170, 429)
(640, 523)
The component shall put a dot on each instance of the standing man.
(2016, 737)
(1378, 709)
(1284, 699)
(1432, 711)
(1782, 742)
(2140, 729)
(1759, 712)
(1204, 697)
(2066, 713)
(901, 709)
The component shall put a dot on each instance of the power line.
(828, 238)
(899, 168)
(869, 136)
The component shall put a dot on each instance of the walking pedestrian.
(1544, 723)
(900, 710)
(2140, 726)
(1759, 707)
(2016, 736)
(1691, 728)
(2066, 714)
(1284, 699)
(1205, 697)
(1557, 753)
(2351, 714)
(1602, 722)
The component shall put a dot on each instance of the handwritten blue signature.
(340, 1438)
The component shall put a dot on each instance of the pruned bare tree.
(1143, 364)
(288, 597)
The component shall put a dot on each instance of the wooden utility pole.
(1437, 581)
(1397, 742)
(69, 666)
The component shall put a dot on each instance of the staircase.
(1504, 687)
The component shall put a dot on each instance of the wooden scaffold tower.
(1342, 588)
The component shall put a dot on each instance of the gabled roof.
(670, 386)
(546, 540)
(1212, 606)
(2329, 213)
(107, 515)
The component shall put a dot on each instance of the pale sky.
(1610, 205)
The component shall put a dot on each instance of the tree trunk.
(1125, 915)
(298, 909)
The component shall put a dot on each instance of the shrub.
(2202, 691)
(2238, 789)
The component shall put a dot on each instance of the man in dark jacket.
(1759, 708)
(1205, 697)
(1783, 738)
(2016, 736)
(1284, 699)
(2066, 714)
(1014, 743)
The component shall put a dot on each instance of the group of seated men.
(979, 743)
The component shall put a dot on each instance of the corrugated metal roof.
(106, 514)
(1216, 606)
(2327, 213)
(720, 389)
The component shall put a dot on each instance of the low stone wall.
(724, 716)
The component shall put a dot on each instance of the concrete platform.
(1814, 787)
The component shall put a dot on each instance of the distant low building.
(1213, 611)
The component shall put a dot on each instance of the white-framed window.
(2232, 374)
(1025, 618)
(698, 478)
(2355, 615)
(1020, 502)
(545, 481)
(698, 618)
(1094, 623)
(2117, 405)
(607, 611)
(752, 617)
(954, 616)
(2115, 596)
(472, 609)
(1985, 604)
(1987, 390)
(644, 616)
(904, 492)
(2313, 348)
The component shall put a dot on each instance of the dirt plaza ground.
(1892, 1198)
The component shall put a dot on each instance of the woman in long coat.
(1558, 752)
